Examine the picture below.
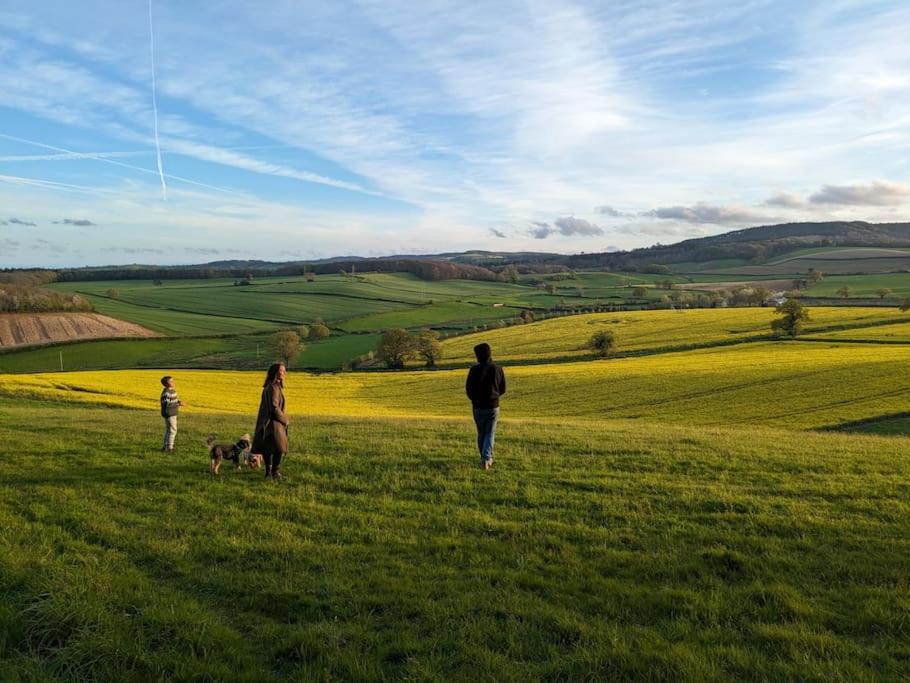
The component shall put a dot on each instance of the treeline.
(425, 269)
(21, 292)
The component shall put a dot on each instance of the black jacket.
(486, 383)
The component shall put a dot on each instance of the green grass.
(619, 551)
(451, 314)
(248, 352)
(177, 323)
(864, 285)
(563, 338)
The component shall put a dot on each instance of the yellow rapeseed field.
(790, 384)
(637, 330)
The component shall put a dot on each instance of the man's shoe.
(276, 475)
(487, 464)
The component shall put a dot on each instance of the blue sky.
(293, 130)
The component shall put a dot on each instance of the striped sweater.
(170, 404)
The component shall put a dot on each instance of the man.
(486, 383)
(170, 406)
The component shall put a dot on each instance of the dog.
(238, 453)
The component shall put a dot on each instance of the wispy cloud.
(703, 212)
(785, 200)
(498, 233)
(434, 123)
(19, 221)
(80, 222)
(568, 226)
(874, 194)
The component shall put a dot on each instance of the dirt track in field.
(32, 329)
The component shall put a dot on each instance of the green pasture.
(248, 352)
(864, 286)
(177, 323)
(627, 550)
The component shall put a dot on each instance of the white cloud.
(874, 194)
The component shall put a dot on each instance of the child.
(170, 406)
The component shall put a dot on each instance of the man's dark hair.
(165, 380)
(272, 374)
(483, 352)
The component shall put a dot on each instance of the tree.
(580, 291)
(157, 283)
(286, 345)
(815, 276)
(510, 273)
(550, 287)
(396, 347)
(906, 305)
(527, 316)
(310, 276)
(844, 292)
(304, 331)
(319, 331)
(113, 293)
(883, 292)
(428, 347)
(760, 295)
(792, 316)
(640, 292)
(603, 343)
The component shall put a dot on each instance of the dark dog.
(238, 453)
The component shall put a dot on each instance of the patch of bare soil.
(33, 329)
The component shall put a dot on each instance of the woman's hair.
(272, 374)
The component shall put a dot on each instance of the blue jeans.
(485, 419)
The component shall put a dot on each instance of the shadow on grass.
(893, 424)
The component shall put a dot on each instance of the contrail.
(155, 103)
(106, 160)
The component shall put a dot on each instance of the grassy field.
(729, 513)
(799, 385)
(247, 351)
(864, 285)
(623, 550)
(178, 323)
(639, 331)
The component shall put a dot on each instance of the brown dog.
(238, 453)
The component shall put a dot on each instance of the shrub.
(319, 331)
(792, 316)
(603, 343)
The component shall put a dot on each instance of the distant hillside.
(756, 245)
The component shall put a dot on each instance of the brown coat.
(271, 434)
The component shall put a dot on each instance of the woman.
(271, 437)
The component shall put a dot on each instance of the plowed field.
(30, 329)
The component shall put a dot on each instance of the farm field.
(620, 549)
(248, 351)
(864, 286)
(177, 323)
(798, 385)
(640, 331)
(25, 329)
(702, 515)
